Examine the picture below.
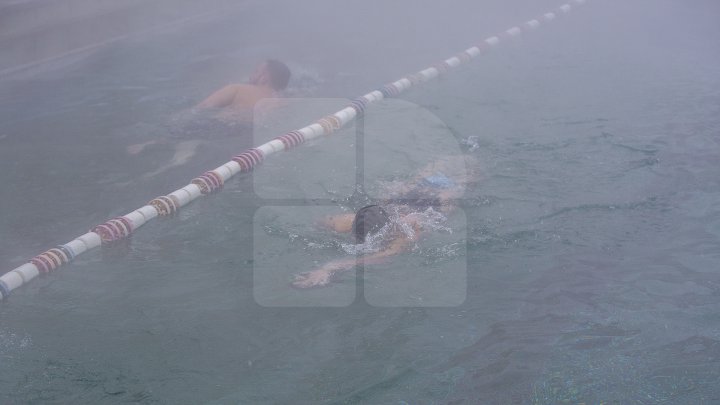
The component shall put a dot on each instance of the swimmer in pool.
(234, 103)
(431, 191)
(237, 101)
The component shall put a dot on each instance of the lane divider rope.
(212, 181)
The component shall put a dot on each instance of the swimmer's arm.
(339, 223)
(221, 98)
(324, 274)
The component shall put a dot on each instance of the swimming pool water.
(590, 243)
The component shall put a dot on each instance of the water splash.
(472, 142)
(11, 342)
(400, 225)
(373, 242)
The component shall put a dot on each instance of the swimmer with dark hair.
(433, 189)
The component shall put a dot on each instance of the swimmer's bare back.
(237, 102)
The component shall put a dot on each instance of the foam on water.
(12, 342)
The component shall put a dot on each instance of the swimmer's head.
(272, 73)
(368, 220)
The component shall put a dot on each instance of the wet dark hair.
(367, 220)
(279, 74)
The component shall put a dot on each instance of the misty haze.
(380, 202)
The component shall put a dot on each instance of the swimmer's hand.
(323, 275)
(316, 278)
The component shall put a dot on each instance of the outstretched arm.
(323, 275)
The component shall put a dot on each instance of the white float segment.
(400, 85)
(136, 219)
(266, 149)
(493, 41)
(307, 132)
(533, 24)
(565, 8)
(91, 240)
(454, 61)
(27, 272)
(549, 16)
(223, 172)
(193, 190)
(345, 115)
(473, 52)
(514, 31)
(430, 73)
(77, 247)
(316, 130)
(148, 211)
(234, 167)
(348, 113)
(374, 96)
(405, 82)
(369, 98)
(186, 192)
(276, 145)
(12, 280)
(182, 197)
(23, 279)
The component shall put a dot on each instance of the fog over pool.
(580, 266)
